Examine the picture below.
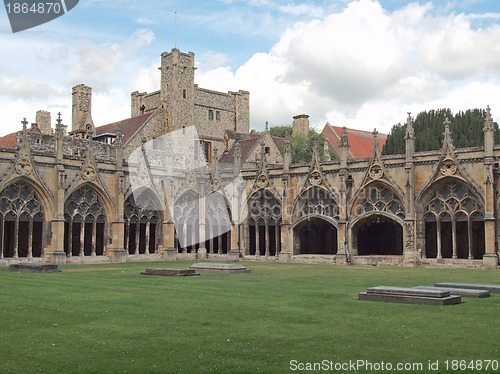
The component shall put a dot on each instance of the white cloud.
(366, 67)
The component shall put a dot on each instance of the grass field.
(110, 319)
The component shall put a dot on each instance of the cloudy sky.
(363, 64)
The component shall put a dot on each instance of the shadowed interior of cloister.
(315, 235)
(377, 235)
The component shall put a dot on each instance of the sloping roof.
(360, 142)
(129, 126)
(10, 140)
(247, 145)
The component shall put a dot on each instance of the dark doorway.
(379, 235)
(316, 236)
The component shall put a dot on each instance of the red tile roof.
(360, 142)
(129, 126)
(10, 140)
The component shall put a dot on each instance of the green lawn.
(110, 319)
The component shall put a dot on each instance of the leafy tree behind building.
(466, 131)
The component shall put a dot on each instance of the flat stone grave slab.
(405, 295)
(34, 268)
(170, 272)
(217, 267)
(464, 292)
(489, 287)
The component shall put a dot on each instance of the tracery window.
(85, 220)
(21, 222)
(187, 227)
(218, 224)
(264, 219)
(143, 217)
(382, 199)
(317, 201)
(454, 223)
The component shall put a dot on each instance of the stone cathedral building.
(67, 197)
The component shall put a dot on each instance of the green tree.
(466, 131)
(302, 146)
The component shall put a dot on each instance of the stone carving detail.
(262, 182)
(382, 199)
(410, 241)
(448, 167)
(19, 199)
(317, 201)
(215, 185)
(376, 172)
(315, 178)
(143, 179)
(89, 174)
(24, 167)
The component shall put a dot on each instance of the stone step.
(489, 287)
(404, 299)
(216, 267)
(170, 272)
(464, 292)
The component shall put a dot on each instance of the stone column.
(1, 237)
(82, 237)
(94, 234)
(146, 249)
(490, 258)
(70, 236)
(30, 238)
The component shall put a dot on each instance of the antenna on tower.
(175, 30)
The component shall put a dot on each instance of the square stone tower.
(82, 123)
(177, 88)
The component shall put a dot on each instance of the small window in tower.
(217, 115)
(184, 95)
(210, 114)
(267, 150)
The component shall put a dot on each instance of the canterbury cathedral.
(73, 194)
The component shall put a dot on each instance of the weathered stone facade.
(67, 199)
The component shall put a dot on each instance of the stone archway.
(377, 234)
(85, 223)
(454, 223)
(263, 226)
(217, 224)
(315, 235)
(187, 222)
(143, 217)
(22, 221)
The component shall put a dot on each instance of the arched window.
(85, 222)
(264, 219)
(142, 217)
(317, 201)
(187, 225)
(21, 222)
(454, 223)
(218, 224)
(379, 198)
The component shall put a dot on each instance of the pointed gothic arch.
(315, 217)
(187, 222)
(217, 223)
(85, 225)
(22, 221)
(453, 213)
(143, 214)
(263, 225)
